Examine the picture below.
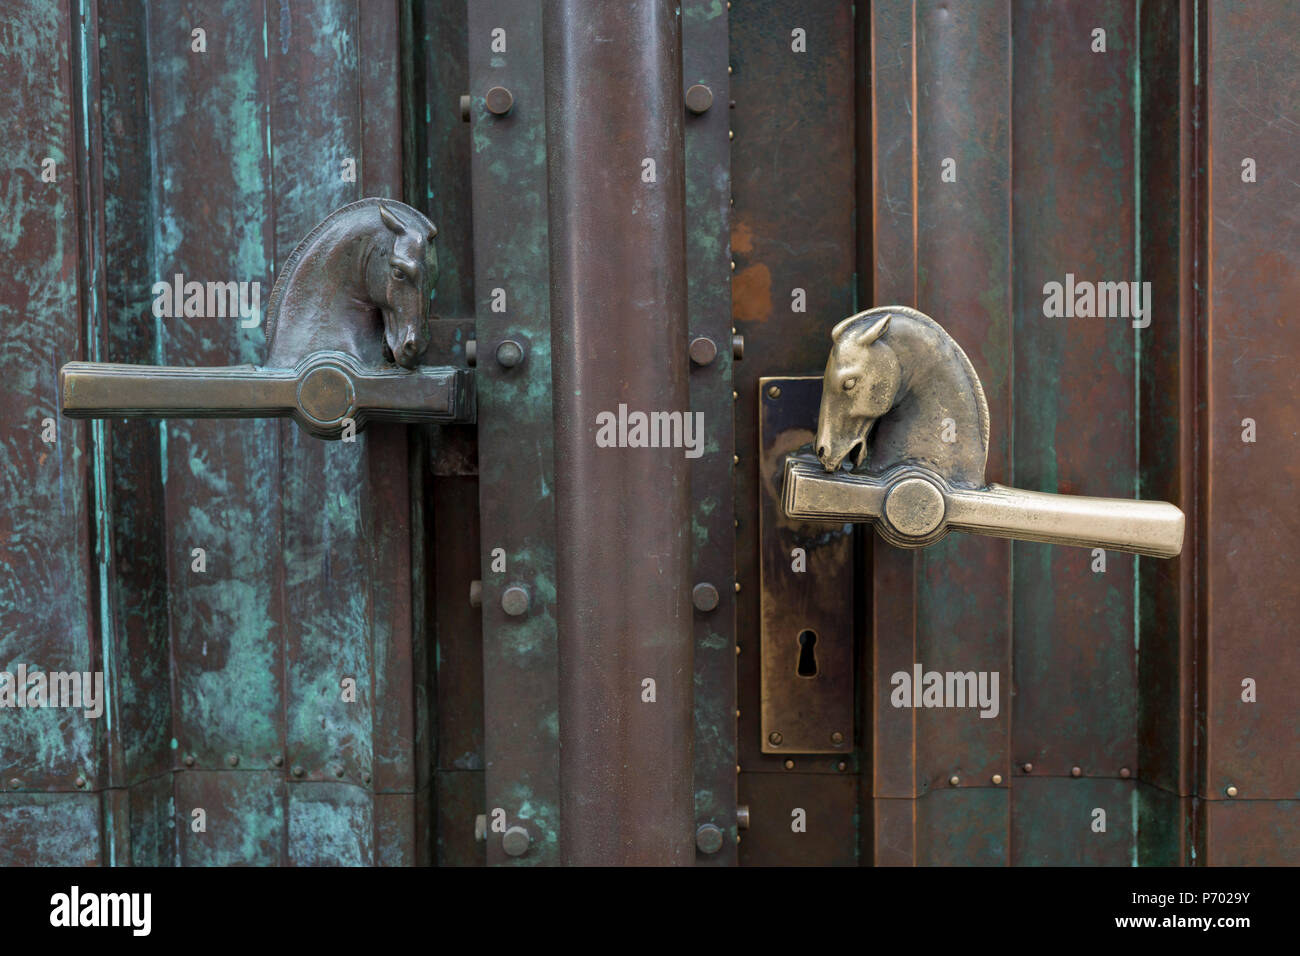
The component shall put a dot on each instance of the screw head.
(189, 760)
(997, 779)
(837, 738)
(515, 841)
(703, 350)
(699, 98)
(708, 838)
(1028, 768)
(80, 782)
(278, 760)
(1076, 771)
(954, 780)
(1231, 791)
(499, 100)
(232, 759)
(842, 766)
(775, 738)
(14, 783)
(705, 596)
(774, 391)
(514, 600)
(509, 353)
(297, 770)
(1124, 772)
(789, 765)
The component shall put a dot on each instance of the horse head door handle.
(901, 403)
(347, 322)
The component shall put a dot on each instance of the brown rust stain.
(751, 294)
(742, 238)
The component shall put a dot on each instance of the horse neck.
(325, 303)
(935, 385)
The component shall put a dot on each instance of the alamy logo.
(73, 689)
(946, 689)
(1101, 300)
(651, 430)
(211, 300)
(102, 909)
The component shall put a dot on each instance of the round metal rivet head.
(189, 760)
(297, 770)
(1028, 768)
(997, 778)
(775, 738)
(914, 507)
(514, 600)
(705, 596)
(774, 391)
(1124, 772)
(1231, 791)
(698, 99)
(278, 760)
(14, 783)
(365, 778)
(1076, 772)
(499, 100)
(471, 353)
(464, 107)
(703, 351)
(708, 838)
(338, 770)
(837, 738)
(476, 594)
(80, 782)
(954, 780)
(515, 841)
(841, 766)
(509, 353)
(232, 760)
(789, 765)
(737, 587)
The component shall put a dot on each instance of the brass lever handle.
(902, 401)
(347, 323)
(914, 507)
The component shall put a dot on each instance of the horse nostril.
(409, 347)
(821, 451)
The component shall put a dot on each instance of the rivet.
(514, 600)
(80, 782)
(278, 760)
(14, 783)
(702, 350)
(708, 838)
(1028, 768)
(728, 65)
(189, 760)
(737, 346)
(837, 738)
(699, 98)
(997, 779)
(742, 816)
(476, 594)
(774, 391)
(737, 711)
(775, 738)
(737, 587)
(509, 353)
(737, 768)
(705, 596)
(471, 353)
(789, 765)
(1124, 772)
(480, 828)
(733, 265)
(1231, 791)
(365, 778)
(232, 760)
(464, 107)
(731, 134)
(499, 100)
(737, 649)
(734, 395)
(297, 770)
(338, 770)
(1076, 772)
(735, 460)
(842, 766)
(515, 841)
(954, 780)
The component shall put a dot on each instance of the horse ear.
(391, 221)
(433, 231)
(871, 334)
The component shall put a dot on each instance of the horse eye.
(849, 383)
(398, 273)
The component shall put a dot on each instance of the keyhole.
(807, 658)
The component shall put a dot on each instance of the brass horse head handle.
(347, 323)
(902, 403)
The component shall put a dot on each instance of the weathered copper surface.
(615, 164)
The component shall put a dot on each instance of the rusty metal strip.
(516, 470)
(708, 278)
